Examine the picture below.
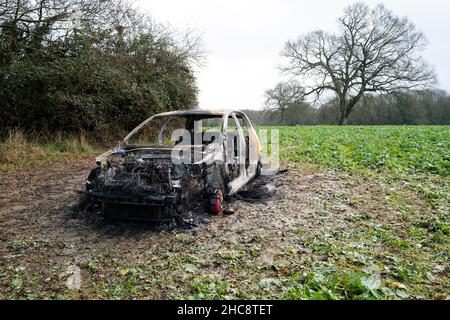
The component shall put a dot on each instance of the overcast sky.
(244, 39)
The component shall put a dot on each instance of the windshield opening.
(168, 131)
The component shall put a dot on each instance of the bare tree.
(284, 94)
(374, 52)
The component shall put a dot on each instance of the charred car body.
(175, 160)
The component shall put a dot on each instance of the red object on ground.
(217, 208)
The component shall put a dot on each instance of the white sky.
(244, 39)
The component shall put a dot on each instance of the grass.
(19, 153)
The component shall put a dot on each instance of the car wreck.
(173, 161)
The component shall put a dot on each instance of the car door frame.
(245, 175)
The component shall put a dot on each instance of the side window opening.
(211, 129)
(233, 134)
(232, 148)
(245, 131)
(243, 125)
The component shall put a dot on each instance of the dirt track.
(40, 237)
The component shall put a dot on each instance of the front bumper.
(147, 200)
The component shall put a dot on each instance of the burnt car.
(172, 162)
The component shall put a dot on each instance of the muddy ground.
(318, 223)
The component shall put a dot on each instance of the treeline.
(92, 65)
(428, 108)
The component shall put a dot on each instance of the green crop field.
(400, 150)
(417, 156)
(410, 167)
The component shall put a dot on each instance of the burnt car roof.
(195, 112)
(182, 113)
